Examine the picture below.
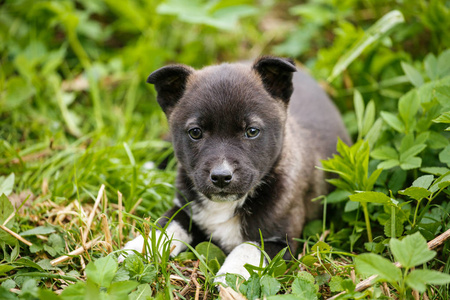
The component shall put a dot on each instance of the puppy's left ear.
(276, 75)
(170, 84)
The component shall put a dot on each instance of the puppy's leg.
(177, 231)
(247, 253)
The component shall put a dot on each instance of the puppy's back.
(314, 111)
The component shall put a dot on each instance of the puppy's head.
(227, 121)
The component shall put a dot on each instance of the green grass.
(76, 114)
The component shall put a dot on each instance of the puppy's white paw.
(174, 231)
(246, 253)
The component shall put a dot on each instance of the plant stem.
(366, 218)
(393, 227)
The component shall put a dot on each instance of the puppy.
(247, 138)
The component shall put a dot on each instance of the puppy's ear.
(276, 75)
(170, 83)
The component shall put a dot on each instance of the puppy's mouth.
(225, 197)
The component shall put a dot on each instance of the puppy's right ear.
(170, 83)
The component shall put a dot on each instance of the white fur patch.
(246, 253)
(174, 231)
(218, 219)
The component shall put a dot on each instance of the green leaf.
(373, 197)
(418, 279)
(18, 90)
(413, 75)
(304, 289)
(42, 230)
(417, 193)
(412, 151)
(369, 117)
(5, 269)
(384, 153)
(76, 291)
(444, 155)
(393, 121)
(102, 271)
(411, 163)
(142, 292)
(211, 252)
(369, 264)
(374, 133)
(411, 251)
(134, 265)
(444, 63)
(408, 105)
(6, 208)
(423, 181)
(388, 164)
(388, 228)
(335, 284)
(6, 184)
(306, 275)
(269, 285)
(253, 287)
(374, 33)
(122, 288)
(359, 110)
(431, 66)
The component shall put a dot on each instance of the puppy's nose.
(221, 176)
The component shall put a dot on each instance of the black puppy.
(247, 139)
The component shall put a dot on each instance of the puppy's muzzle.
(221, 176)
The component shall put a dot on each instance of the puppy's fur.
(247, 138)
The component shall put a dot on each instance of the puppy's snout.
(221, 176)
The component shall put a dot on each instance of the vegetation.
(79, 128)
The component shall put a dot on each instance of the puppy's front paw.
(234, 263)
(137, 244)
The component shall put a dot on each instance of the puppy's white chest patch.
(218, 219)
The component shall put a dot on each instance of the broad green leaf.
(320, 246)
(120, 289)
(43, 230)
(418, 279)
(134, 265)
(388, 228)
(5, 269)
(408, 105)
(269, 285)
(444, 63)
(417, 193)
(303, 289)
(307, 276)
(444, 155)
(423, 181)
(75, 291)
(443, 178)
(369, 264)
(411, 251)
(211, 251)
(335, 284)
(102, 271)
(7, 184)
(393, 121)
(384, 153)
(6, 208)
(413, 75)
(431, 66)
(18, 90)
(413, 151)
(374, 133)
(438, 171)
(373, 197)
(253, 287)
(411, 163)
(142, 292)
(369, 117)
(374, 33)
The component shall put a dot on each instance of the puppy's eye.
(195, 133)
(252, 132)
